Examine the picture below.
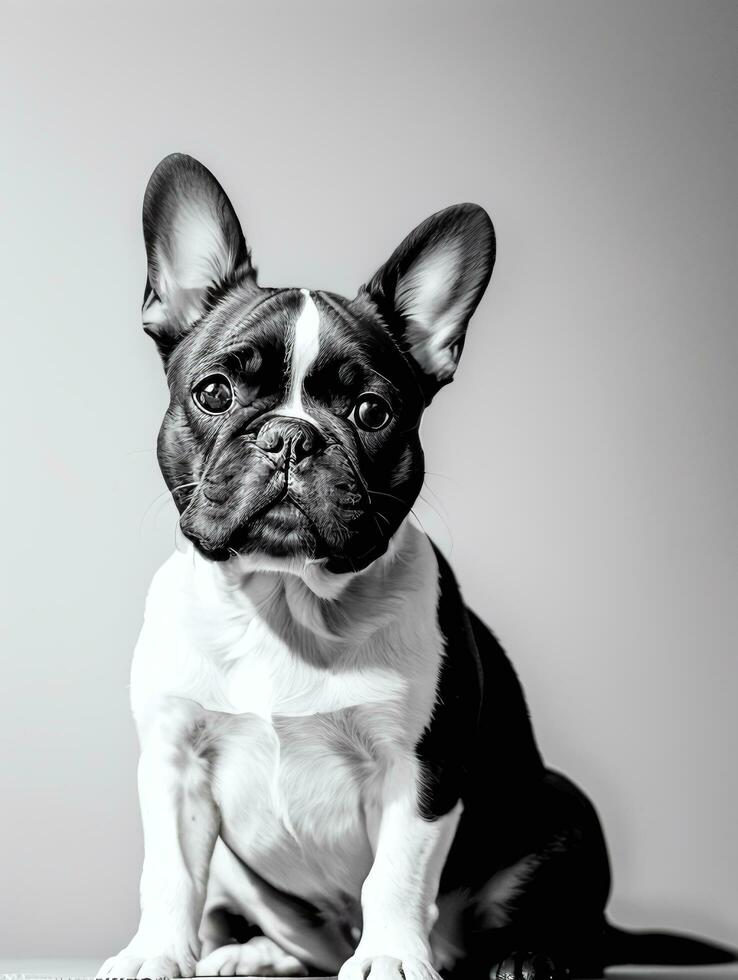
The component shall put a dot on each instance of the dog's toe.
(414, 969)
(220, 963)
(160, 967)
(130, 966)
(119, 966)
(387, 968)
(260, 956)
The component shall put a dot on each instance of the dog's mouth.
(281, 528)
(285, 530)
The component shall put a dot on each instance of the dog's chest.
(294, 751)
(292, 794)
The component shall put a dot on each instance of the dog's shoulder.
(169, 658)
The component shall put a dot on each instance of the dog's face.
(292, 430)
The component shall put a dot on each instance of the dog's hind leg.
(242, 908)
(233, 947)
(541, 916)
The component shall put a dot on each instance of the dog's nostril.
(302, 445)
(272, 441)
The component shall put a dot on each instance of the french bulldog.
(338, 773)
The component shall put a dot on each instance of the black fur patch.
(480, 732)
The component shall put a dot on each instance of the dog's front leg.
(180, 823)
(399, 893)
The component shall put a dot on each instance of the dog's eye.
(213, 395)
(371, 412)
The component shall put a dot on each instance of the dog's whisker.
(419, 520)
(375, 517)
(439, 515)
(429, 488)
(184, 486)
(157, 499)
(378, 513)
(162, 498)
(390, 496)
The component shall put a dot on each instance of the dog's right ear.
(194, 246)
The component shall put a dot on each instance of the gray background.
(584, 464)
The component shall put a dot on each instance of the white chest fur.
(294, 702)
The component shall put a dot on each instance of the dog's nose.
(292, 438)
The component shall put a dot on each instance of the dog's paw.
(131, 965)
(259, 957)
(387, 968)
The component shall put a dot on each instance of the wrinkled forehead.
(315, 336)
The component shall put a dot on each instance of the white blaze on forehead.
(302, 352)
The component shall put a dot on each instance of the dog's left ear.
(428, 289)
(194, 246)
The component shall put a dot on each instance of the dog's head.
(292, 430)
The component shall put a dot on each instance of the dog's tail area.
(623, 946)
